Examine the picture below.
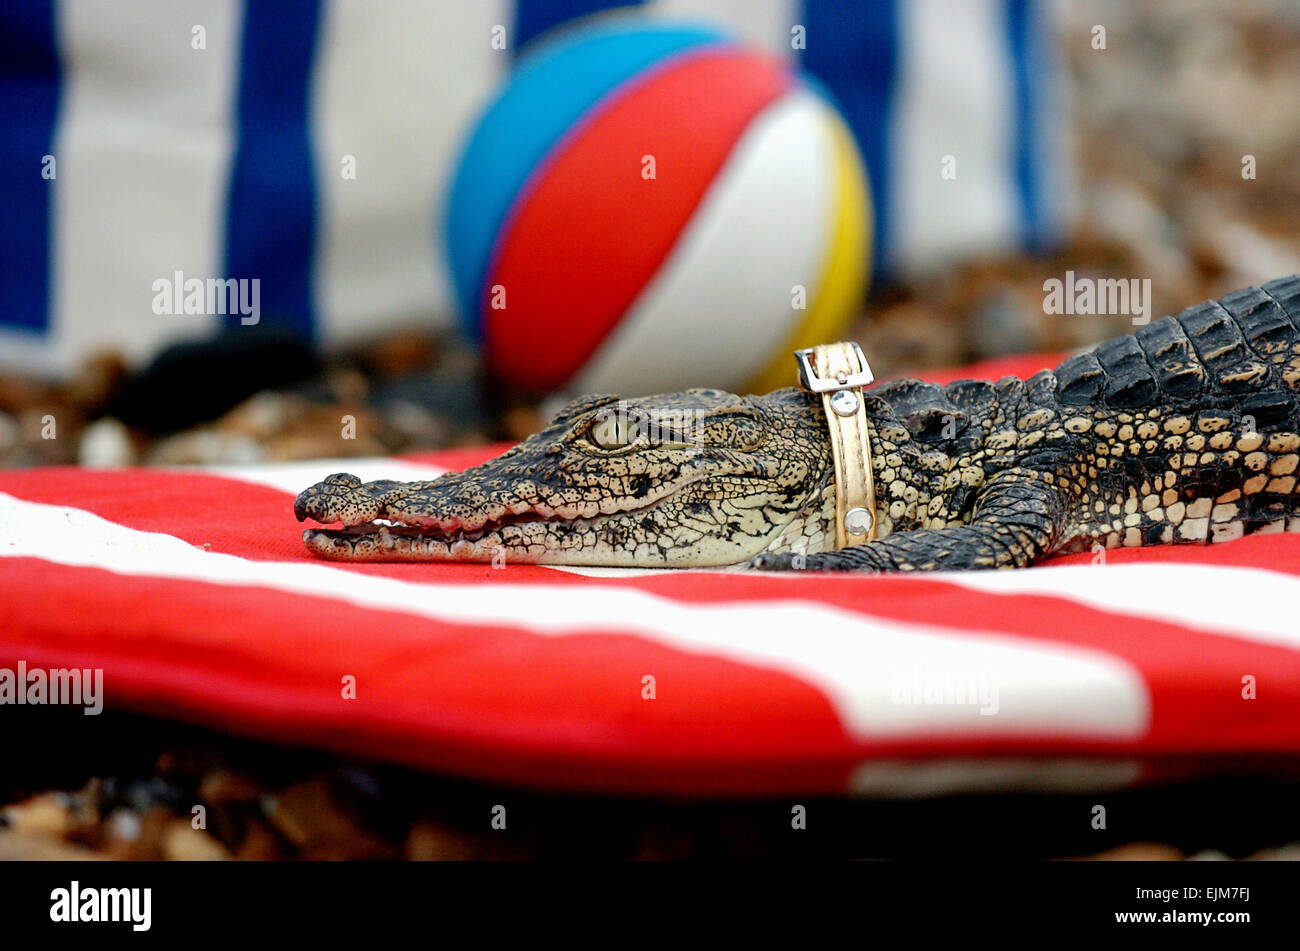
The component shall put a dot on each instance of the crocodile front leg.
(1017, 519)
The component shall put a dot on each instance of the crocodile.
(1186, 431)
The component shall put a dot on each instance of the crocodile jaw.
(656, 535)
(567, 538)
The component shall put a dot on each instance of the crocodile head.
(693, 479)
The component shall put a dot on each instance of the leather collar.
(838, 372)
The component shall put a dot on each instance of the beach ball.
(646, 207)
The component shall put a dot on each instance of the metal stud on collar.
(857, 521)
(844, 402)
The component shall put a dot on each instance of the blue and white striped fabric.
(215, 138)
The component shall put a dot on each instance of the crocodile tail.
(1243, 349)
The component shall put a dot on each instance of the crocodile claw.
(774, 561)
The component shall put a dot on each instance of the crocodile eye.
(610, 430)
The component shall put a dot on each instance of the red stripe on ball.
(589, 232)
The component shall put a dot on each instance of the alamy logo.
(212, 297)
(947, 686)
(1099, 297)
(62, 686)
(103, 904)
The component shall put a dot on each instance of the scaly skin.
(1185, 432)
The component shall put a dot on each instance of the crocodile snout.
(337, 498)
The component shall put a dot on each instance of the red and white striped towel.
(193, 592)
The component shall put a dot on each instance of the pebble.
(44, 814)
(105, 444)
(182, 842)
(99, 380)
(521, 422)
(123, 825)
(223, 786)
(260, 843)
(1139, 852)
(1285, 853)
(1002, 324)
(400, 353)
(206, 447)
(262, 415)
(432, 841)
(8, 433)
(26, 847)
(418, 424)
(310, 816)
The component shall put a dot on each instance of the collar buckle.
(810, 381)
